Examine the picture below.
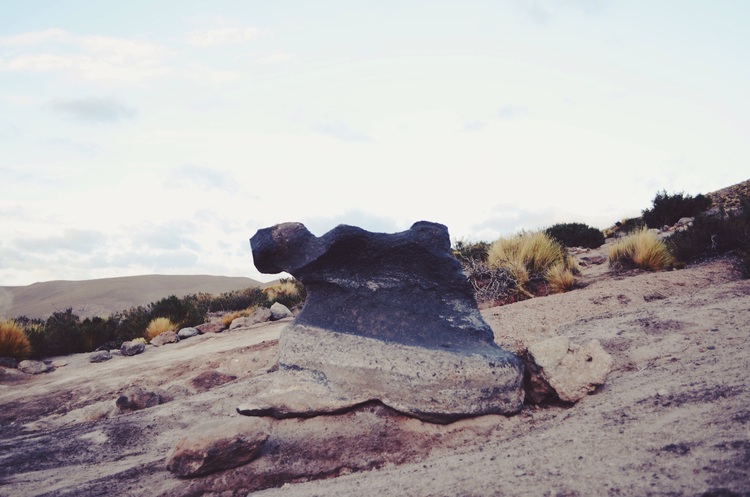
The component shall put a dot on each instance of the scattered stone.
(137, 398)
(209, 379)
(684, 222)
(187, 333)
(212, 327)
(133, 347)
(388, 317)
(100, 356)
(218, 445)
(34, 367)
(9, 362)
(594, 260)
(556, 366)
(259, 315)
(280, 311)
(165, 338)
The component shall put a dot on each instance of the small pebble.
(662, 392)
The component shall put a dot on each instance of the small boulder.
(259, 315)
(218, 445)
(137, 398)
(164, 338)
(133, 347)
(100, 356)
(187, 333)
(280, 311)
(556, 366)
(34, 367)
(9, 362)
(212, 327)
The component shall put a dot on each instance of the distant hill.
(102, 297)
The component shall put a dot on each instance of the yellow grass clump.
(560, 278)
(227, 319)
(642, 249)
(157, 326)
(287, 288)
(531, 256)
(13, 340)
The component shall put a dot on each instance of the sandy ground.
(673, 418)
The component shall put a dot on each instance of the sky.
(148, 137)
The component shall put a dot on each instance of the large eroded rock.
(388, 317)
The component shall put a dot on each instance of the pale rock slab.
(165, 338)
(568, 370)
(218, 445)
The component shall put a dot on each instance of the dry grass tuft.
(529, 257)
(283, 288)
(13, 341)
(227, 319)
(560, 278)
(642, 249)
(157, 326)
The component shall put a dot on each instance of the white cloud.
(222, 36)
(36, 38)
(92, 109)
(277, 57)
(88, 58)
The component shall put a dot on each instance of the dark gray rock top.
(403, 287)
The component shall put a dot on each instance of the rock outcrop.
(165, 338)
(568, 371)
(133, 347)
(388, 317)
(218, 445)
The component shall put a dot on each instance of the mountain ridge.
(104, 296)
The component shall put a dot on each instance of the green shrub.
(238, 300)
(576, 235)
(464, 250)
(13, 340)
(712, 235)
(181, 311)
(641, 249)
(631, 225)
(668, 209)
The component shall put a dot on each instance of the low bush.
(667, 209)
(13, 341)
(465, 250)
(712, 235)
(157, 326)
(576, 235)
(641, 249)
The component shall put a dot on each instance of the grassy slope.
(102, 297)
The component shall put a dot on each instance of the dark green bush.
(668, 209)
(181, 311)
(239, 300)
(464, 250)
(576, 235)
(630, 225)
(712, 235)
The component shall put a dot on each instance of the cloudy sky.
(157, 136)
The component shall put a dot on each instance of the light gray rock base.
(323, 372)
